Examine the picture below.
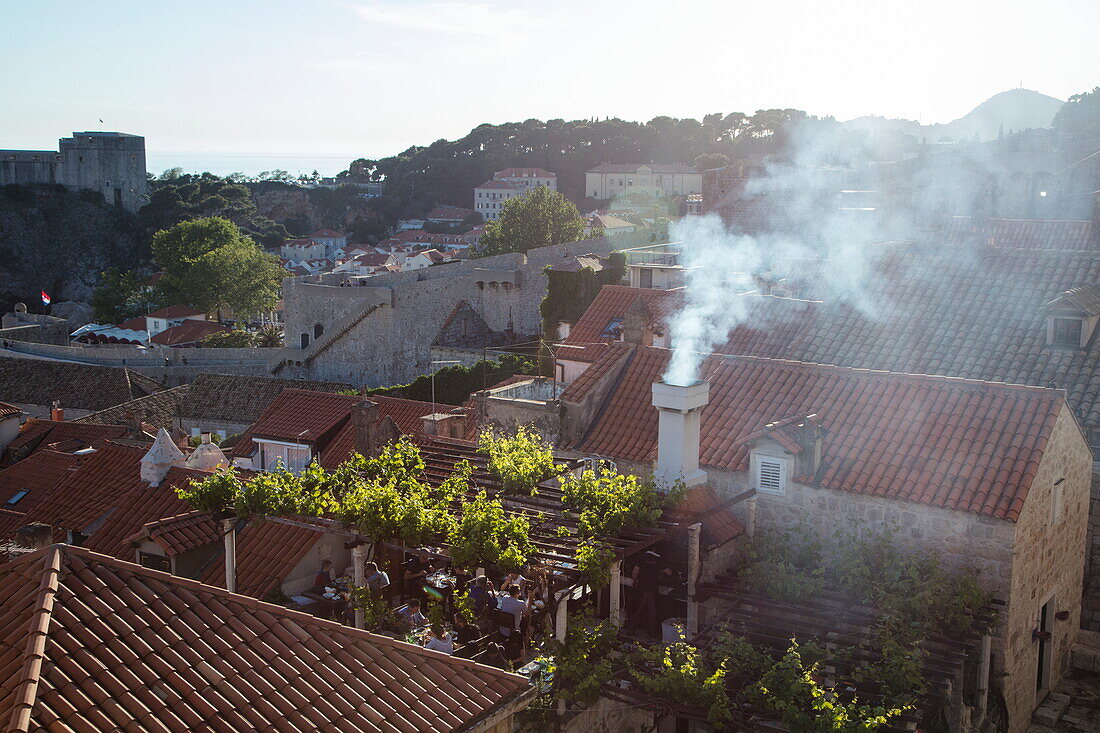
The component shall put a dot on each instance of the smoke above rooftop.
(812, 205)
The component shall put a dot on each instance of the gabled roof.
(37, 434)
(524, 173)
(176, 311)
(7, 410)
(1035, 234)
(266, 554)
(92, 643)
(1085, 298)
(300, 416)
(328, 234)
(633, 168)
(100, 494)
(242, 399)
(76, 386)
(181, 532)
(449, 213)
(188, 332)
(958, 444)
(612, 302)
(158, 410)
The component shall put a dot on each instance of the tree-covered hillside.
(447, 171)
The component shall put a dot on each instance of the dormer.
(1071, 318)
(783, 451)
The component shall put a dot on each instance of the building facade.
(510, 183)
(609, 180)
(112, 163)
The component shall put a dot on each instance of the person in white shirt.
(514, 605)
(440, 641)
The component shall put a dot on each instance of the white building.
(609, 180)
(507, 184)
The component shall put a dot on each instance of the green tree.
(210, 265)
(539, 219)
(125, 294)
(711, 160)
(1077, 124)
(235, 339)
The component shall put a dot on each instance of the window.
(318, 329)
(1067, 332)
(16, 497)
(771, 475)
(154, 562)
(1094, 442)
(292, 458)
(1057, 498)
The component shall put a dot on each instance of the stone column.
(229, 534)
(693, 534)
(359, 577)
(615, 613)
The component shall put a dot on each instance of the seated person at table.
(440, 641)
(494, 657)
(465, 633)
(410, 615)
(514, 579)
(514, 605)
(376, 579)
(323, 578)
(482, 595)
(415, 571)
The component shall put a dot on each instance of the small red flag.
(45, 298)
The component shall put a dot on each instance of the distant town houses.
(510, 183)
(174, 326)
(453, 215)
(322, 244)
(609, 180)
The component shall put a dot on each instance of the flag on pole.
(45, 298)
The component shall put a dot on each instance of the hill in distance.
(1016, 109)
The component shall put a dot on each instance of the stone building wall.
(381, 335)
(1090, 610)
(1049, 561)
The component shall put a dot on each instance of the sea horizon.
(222, 163)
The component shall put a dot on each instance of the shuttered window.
(771, 476)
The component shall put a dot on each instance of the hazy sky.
(372, 77)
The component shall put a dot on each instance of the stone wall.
(1049, 563)
(1090, 610)
(532, 404)
(382, 334)
(609, 716)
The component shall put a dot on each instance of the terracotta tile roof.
(500, 185)
(1041, 234)
(611, 304)
(633, 168)
(188, 332)
(158, 410)
(35, 434)
(134, 324)
(578, 263)
(300, 416)
(100, 494)
(242, 399)
(327, 234)
(92, 643)
(1085, 298)
(958, 444)
(176, 311)
(182, 532)
(524, 173)
(449, 213)
(266, 553)
(7, 410)
(77, 386)
(720, 523)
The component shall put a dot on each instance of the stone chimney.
(162, 456)
(444, 424)
(207, 457)
(56, 412)
(34, 536)
(679, 412)
(635, 322)
(371, 433)
(810, 436)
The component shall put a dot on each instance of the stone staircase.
(307, 354)
(1074, 706)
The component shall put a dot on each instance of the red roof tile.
(300, 416)
(449, 213)
(524, 173)
(880, 427)
(633, 168)
(1034, 234)
(176, 311)
(327, 234)
(7, 410)
(92, 643)
(36, 433)
(266, 553)
(188, 332)
(181, 532)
